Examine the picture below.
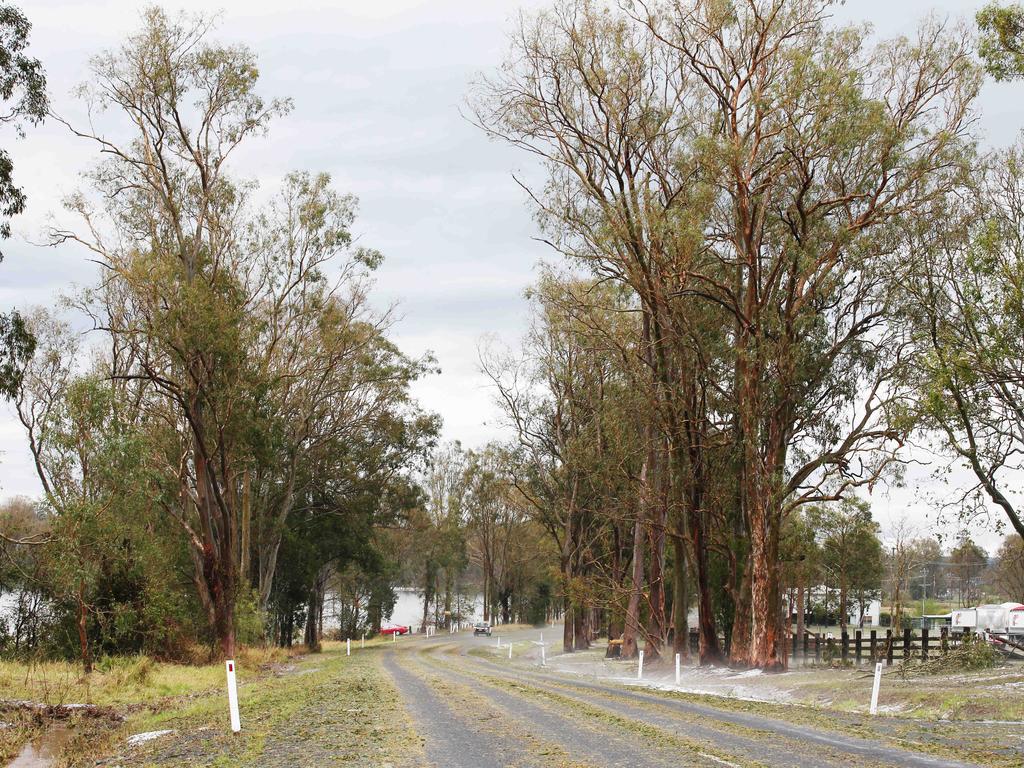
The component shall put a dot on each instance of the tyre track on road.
(708, 738)
(805, 743)
(595, 742)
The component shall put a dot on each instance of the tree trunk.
(629, 636)
(567, 625)
(581, 641)
(801, 606)
(656, 624)
(312, 635)
(764, 589)
(740, 639)
(680, 600)
(83, 630)
(843, 613)
(243, 560)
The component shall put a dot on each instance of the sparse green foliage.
(1002, 39)
(23, 98)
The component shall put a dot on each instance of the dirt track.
(456, 687)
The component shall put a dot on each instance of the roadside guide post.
(510, 651)
(677, 669)
(348, 646)
(875, 687)
(640, 667)
(236, 723)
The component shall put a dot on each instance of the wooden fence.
(867, 646)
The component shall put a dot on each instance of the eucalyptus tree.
(578, 460)
(751, 158)
(447, 488)
(969, 318)
(594, 95)
(1009, 568)
(329, 375)
(501, 534)
(23, 93)
(88, 451)
(850, 550)
(167, 224)
(1002, 39)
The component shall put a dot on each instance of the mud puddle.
(43, 751)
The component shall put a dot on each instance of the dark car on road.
(481, 628)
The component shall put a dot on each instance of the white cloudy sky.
(377, 89)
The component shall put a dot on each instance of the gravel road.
(457, 688)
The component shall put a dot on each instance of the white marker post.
(543, 660)
(677, 669)
(510, 651)
(875, 687)
(362, 643)
(499, 641)
(348, 646)
(394, 636)
(236, 723)
(640, 667)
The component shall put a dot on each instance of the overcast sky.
(377, 88)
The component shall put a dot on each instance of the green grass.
(327, 705)
(123, 680)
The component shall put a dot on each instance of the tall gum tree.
(166, 229)
(752, 158)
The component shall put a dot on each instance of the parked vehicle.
(997, 618)
(481, 628)
(394, 629)
(964, 619)
(1016, 623)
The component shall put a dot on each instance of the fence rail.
(884, 645)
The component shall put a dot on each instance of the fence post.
(236, 723)
(845, 652)
(944, 639)
(924, 642)
(907, 640)
(888, 647)
(857, 646)
(817, 646)
(796, 644)
(874, 645)
(805, 639)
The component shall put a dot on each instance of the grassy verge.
(344, 705)
(325, 709)
(125, 680)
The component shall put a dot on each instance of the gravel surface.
(554, 732)
(780, 743)
(728, 734)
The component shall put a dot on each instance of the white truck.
(964, 619)
(996, 618)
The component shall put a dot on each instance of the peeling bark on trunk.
(740, 639)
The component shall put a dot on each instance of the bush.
(973, 653)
